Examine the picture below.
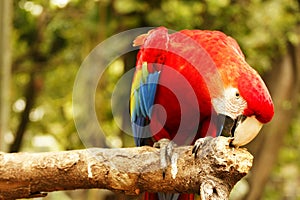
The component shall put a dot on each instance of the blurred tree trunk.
(5, 67)
(34, 85)
(283, 82)
(30, 95)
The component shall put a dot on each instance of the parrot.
(190, 84)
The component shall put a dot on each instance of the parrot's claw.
(199, 144)
(166, 150)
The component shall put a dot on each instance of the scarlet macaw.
(194, 83)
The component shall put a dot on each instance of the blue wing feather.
(141, 102)
(143, 99)
(153, 80)
(141, 132)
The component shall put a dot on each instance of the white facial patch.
(230, 103)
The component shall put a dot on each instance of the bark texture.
(212, 174)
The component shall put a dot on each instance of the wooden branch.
(129, 170)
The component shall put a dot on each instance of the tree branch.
(129, 170)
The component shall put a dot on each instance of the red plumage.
(196, 67)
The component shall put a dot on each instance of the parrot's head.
(242, 110)
(244, 104)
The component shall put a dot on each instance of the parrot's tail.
(162, 196)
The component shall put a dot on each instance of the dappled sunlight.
(60, 3)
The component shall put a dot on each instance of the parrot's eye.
(231, 103)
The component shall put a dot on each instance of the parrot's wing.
(142, 97)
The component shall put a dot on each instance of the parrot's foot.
(200, 143)
(166, 152)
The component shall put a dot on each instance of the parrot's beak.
(243, 129)
(246, 131)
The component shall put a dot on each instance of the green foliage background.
(51, 39)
